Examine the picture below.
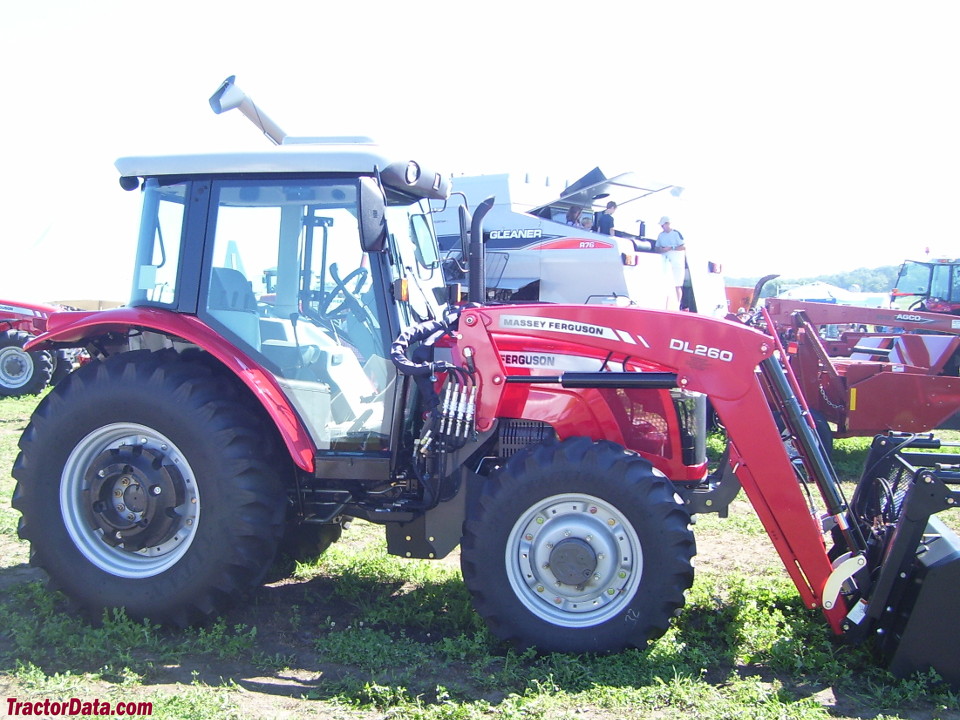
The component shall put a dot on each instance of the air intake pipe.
(476, 264)
(228, 96)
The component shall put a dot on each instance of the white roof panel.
(349, 158)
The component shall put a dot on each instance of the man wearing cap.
(670, 243)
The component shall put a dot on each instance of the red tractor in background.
(27, 372)
(559, 445)
(928, 286)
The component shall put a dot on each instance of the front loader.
(289, 361)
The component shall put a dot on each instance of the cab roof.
(312, 155)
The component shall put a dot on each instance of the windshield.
(415, 258)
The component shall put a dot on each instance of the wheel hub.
(573, 561)
(15, 367)
(133, 493)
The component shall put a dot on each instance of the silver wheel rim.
(89, 539)
(16, 367)
(593, 529)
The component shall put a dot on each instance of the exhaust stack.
(228, 96)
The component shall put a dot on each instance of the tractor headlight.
(413, 173)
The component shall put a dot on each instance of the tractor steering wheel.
(330, 308)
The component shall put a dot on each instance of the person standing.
(670, 242)
(604, 223)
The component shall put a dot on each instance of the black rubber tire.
(574, 490)
(22, 372)
(196, 422)
(62, 366)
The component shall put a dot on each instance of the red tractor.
(556, 444)
(928, 286)
(27, 372)
(24, 372)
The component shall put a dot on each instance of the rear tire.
(22, 372)
(578, 547)
(62, 365)
(143, 484)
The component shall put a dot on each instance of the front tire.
(143, 483)
(22, 372)
(578, 547)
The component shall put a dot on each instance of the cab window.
(158, 247)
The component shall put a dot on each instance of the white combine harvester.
(534, 255)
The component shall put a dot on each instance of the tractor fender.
(73, 329)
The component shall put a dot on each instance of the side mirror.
(371, 211)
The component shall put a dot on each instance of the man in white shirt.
(670, 243)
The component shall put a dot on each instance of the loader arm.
(729, 362)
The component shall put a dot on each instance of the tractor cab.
(285, 258)
(932, 286)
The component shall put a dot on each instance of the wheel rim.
(16, 367)
(574, 560)
(129, 500)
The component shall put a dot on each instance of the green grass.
(358, 633)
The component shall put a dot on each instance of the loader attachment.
(912, 603)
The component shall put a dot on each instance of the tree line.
(879, 279)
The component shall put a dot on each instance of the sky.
(810, 138)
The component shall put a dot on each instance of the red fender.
(73, 328)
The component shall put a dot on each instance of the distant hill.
(880, 279)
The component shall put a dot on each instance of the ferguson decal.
(566, 363)
(527, 234)
(555, 325)
(528, 360)
(570, 327)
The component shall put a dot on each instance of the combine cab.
(219, 417)
(533, 254)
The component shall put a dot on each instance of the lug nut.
(156, 490)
